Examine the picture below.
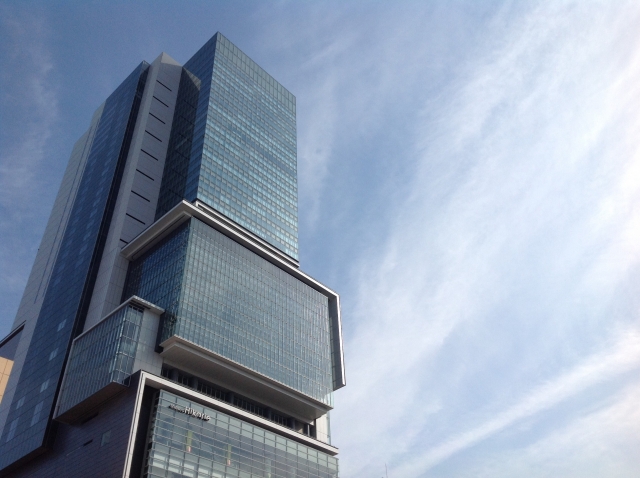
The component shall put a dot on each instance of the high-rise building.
(166, 329)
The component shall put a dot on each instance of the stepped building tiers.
(166, 329)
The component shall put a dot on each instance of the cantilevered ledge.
(193, 358)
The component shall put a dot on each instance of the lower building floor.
(152, 430)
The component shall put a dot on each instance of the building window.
(184, 379)
(106, 438)
(12, 429)
(36, 413)
(211, 391)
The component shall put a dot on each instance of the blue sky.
(469, 177)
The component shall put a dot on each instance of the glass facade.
(229, 300)
(184, 443)
(176, 166)
(232, 147)
(103, 355)
(73, 274)
(242, 137)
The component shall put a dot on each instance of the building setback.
(166, 329)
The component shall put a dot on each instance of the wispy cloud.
(622, 356)
(348, 79)
(515, 256)
(33, 98)
(469, 180)
(602, 442)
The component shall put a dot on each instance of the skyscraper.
(166, 329)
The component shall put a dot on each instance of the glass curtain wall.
(233, 302)
(189, 440)
(242, 134)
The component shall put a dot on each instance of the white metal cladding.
(138, 196)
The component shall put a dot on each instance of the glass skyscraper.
(166, 329)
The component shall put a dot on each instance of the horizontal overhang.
(92, 404)
(241, 231)
(80, 411)
(220, 370)
(160, 383)
(185, 210)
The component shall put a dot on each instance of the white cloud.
(510, 261)
(602, 443)
(506, 283)
(622, 356)
(348, 76)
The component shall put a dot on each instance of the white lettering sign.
(190, 411)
